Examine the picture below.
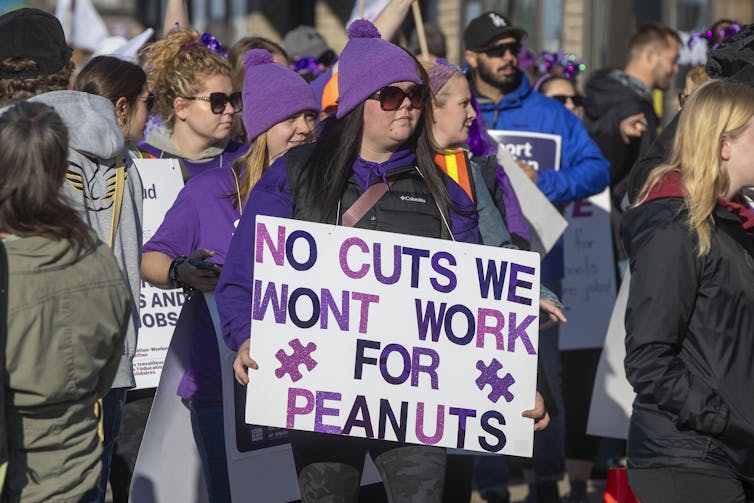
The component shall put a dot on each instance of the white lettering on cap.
(497, 20)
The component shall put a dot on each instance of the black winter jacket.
(608, 102)
(690, 341)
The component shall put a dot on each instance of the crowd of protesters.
(300, 132)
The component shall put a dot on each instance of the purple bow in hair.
(713, 40)
(208, 41)
(569, 63)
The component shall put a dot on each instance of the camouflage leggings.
(329, 468)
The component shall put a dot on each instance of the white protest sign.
(545, 221)
(260, 460)
(589, 282)
(168, 467)
(396, 337)
(540, 151)
(613, 396)
(159, 309)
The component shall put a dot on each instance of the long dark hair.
(112, 78)
(325, 175)
(33, 153)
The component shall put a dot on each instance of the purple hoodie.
(272, 196)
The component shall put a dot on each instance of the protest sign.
(589, 282)
(589, 275)
(538, 150)
(158, 309)
(395, 337)
(259, 457)
(613, 396)
(546, 224)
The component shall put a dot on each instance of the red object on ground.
(617, 489)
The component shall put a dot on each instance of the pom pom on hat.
(271, 93)
(362, 28)
(256, 57)
(369, 63)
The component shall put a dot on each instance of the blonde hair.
(717, 108)
(250, 167)
(698, 76)
(177, 66)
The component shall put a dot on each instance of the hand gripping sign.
(396, 337)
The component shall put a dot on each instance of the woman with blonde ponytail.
(689, 319)
(278, 113)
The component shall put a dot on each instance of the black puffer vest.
(407, 208)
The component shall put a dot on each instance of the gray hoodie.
(95, 145)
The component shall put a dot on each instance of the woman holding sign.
(380, 136)
(279, 110)
(689, 320)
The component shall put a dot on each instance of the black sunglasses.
(218, 101)
(391, 97)
(577, 99)
(499, 50)
(149, 100)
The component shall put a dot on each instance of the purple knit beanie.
(369, 63)
(271, 93)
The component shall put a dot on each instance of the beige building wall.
(450, 19)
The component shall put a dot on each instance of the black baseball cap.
(488, 27)
(33, 34)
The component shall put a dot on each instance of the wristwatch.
(173, 272)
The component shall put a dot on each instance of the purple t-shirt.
(232, 151)
(203, 216)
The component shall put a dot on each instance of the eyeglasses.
(577, 99)
(218, 101)
(391, 97)
(499, 50)
(149, 100)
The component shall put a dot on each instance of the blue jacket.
(584, 171)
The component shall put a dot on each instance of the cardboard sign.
(395, 337)
(546, 224)
(613, 396)
(158, 309)
(589, 281)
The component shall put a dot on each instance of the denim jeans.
(548, 460)
(112, 420)
(209, 435)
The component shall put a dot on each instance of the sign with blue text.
(387, 336)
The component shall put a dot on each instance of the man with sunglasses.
(507, 101)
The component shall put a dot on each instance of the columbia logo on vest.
(413, 199)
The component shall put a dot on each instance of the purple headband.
(208, 41)
(440, 73)
(713, 40)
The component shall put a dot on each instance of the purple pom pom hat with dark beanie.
(369, 63)
(271, 93)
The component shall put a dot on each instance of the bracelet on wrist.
(173, 273)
